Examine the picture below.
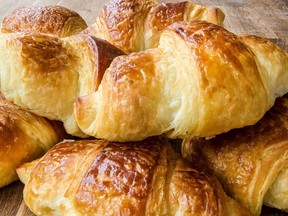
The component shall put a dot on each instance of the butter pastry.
(50, 19)
(23, 138)
(45, 74)
(201, 80)
(252, 162)
(95, 177)
(42, 72)
(134, 25)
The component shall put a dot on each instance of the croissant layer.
(133, 25)
(45, 74)
(251, 162)
(50, 19)
(94, 177)
(201, 80)
(23, 138)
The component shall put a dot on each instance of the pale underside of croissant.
(45, 74)
(251, 162)
(202, 80)
(51, 19)
(134, 25)
(94, 177)
(23, 138)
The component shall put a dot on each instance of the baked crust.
(94, 177)
(201, 80)
(23, 138)
(45, 74)
(134, 25)
(50, 19)
(251, 162)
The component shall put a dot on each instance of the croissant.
(51, 19)
(45, 74)
(23, 137)
(201, 81)
(94, 177)
(134, 25)
(251, 162)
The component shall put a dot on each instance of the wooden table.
(267, 18)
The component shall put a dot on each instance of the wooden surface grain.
(266, 18)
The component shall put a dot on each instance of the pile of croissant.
(91, 117)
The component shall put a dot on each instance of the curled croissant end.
(274, 62)
(25, 169)
(201, 81)
(45, 74)
(250, 162)
(51, 19)
(138, 25)
(95, 177)
(23, 138)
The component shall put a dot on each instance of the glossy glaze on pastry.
(251, 162)
(201, 81)
(94, 177)
(23, 138)
(134, 25)
(45, 74)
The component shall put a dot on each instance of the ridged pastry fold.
(134, 25)
(201, 80)
(45, 74)
(251, 162)
(95, 177)
(23, 137)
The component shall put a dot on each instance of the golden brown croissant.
(201, 81)
(94, 177)
(45, 74)
(50, 19)
(23, 137)
(251, 162)
(134, 25)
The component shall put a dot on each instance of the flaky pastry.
(23, 138)
(45, 74)
(94, 177)
(201, 80)
(50, 19)
(251, 162)
(134, 25)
